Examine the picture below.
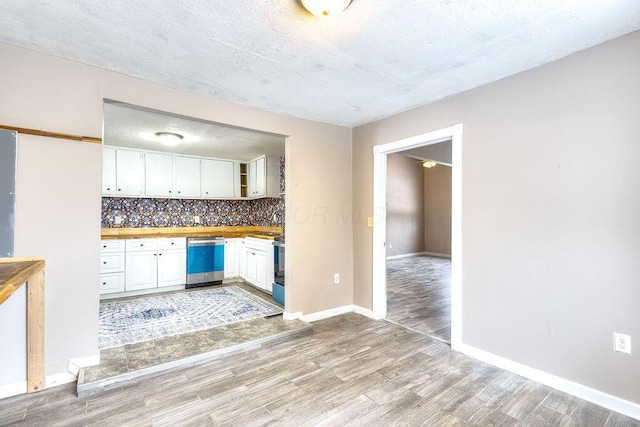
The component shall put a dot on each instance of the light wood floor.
(419, 294)
(350, 370)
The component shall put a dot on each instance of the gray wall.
(551, 237)
(437, 210)
(405, 205)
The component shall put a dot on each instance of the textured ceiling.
(129, 126)
(378, 58)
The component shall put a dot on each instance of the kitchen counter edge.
(225, 231)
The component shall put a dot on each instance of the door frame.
(379, 278)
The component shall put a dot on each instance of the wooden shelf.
(14, 272)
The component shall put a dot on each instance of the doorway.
(380, 152)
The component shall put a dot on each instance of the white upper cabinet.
(187, 176)
(129, 173)
(158, 173)
(109, 171)
(264, 177)
(217, 179)
(135, 173)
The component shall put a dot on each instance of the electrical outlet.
(196, 219)
(336, 279)
(622, 343)
(369, 221)
(117, 220)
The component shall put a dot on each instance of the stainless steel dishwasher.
(205, 261)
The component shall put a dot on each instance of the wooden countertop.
(14, 272)
(226, 231)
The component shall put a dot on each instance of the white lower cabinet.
(172, 267)
(111, 283)
(232, 249)
(259, 263)
(142, 264)
(112, 262)
(141, 271)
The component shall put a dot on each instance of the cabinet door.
(187, 176)
(129, 173)
(242, 252)
(141, 270)
(158, 174)
(252, 268)
(108, 172)
(231, 258)
(261, 270)
(217, 179)
(172, 267)
(257, 178)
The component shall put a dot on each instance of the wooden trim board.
(48, 134)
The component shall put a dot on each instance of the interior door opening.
(418, 241)
(381, 152)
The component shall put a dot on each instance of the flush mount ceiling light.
(325, 8)
(170, 139)
(429, 164)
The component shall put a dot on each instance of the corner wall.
(550, 240)
(58, 199)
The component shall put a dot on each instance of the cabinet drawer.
(256, 244)
(172, 243)
(111, 263)
(111, 246)
(136, 245)
(110, 283)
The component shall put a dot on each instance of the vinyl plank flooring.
(377, 373)
(419, 294)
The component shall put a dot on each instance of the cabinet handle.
(108, 188)
(141, 244)
(104, 283)
(104, 262)
(104, 246)
(179, 192)
(169, 191)
(207, 192)
(155, 254)
(172, 243)
(159, 254)
(119, 189)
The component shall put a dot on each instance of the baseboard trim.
(363, 311)
(20, 387)
(418, 254)
(437, 255)
(405, 255)
(613, 403)
(13, 389)
(292, 316)
(327, 313)
(82, 362)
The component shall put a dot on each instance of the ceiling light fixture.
(170, 139)
(429, 164)
(325, 8)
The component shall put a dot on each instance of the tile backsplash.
(135, 213)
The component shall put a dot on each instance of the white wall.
(550, 229)
(58, 195)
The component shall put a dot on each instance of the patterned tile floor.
(419, 295)
(161, 315)
(143, 355)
